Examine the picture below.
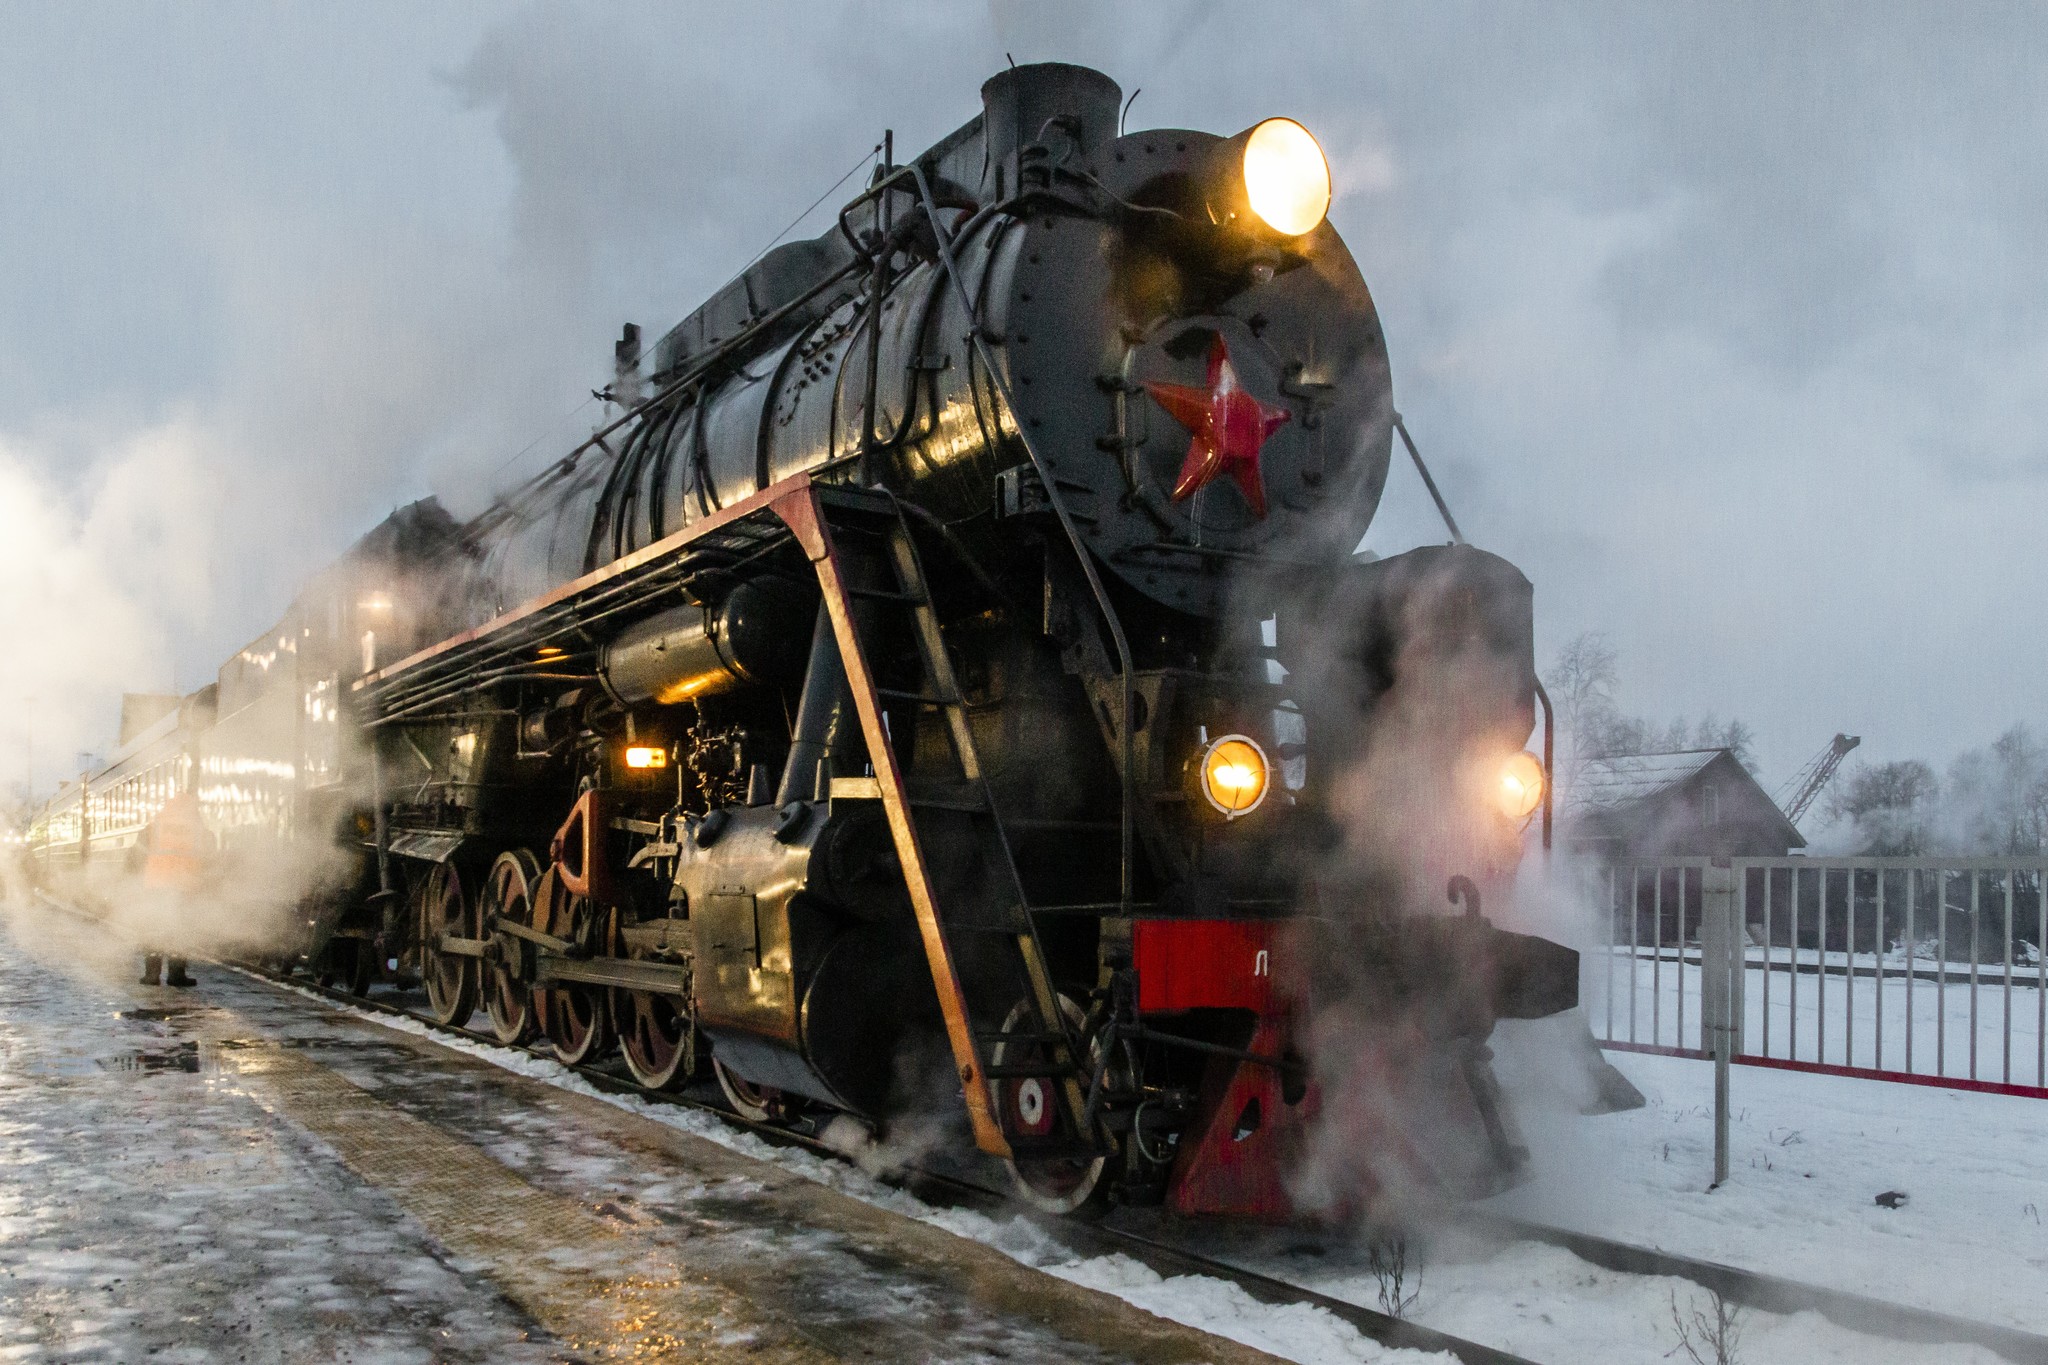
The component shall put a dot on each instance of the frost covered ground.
(1811, 1152)
(153, 1211)
(140, 1208)
(1810, 1155)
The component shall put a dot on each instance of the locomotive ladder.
(981, 941)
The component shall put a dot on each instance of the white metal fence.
(1929, 969)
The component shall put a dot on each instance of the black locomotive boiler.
(948, 691)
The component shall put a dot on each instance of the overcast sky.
(1728, 323)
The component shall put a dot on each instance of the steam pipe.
(818, 715)
(1549, 768)
(381, 824)
(1443, 508)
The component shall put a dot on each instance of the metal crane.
(1798, 795)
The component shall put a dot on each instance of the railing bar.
(1820, 975)
(1657, 952)
(1611, 936)
(1635, 914)
(1913, 881)
(1792, 981)
(1849, 980)
(1770, 954)
(1738, 1005)
(1976, 882)
(1952, 865)
(2041, 979)
(1679, 1033)
(1941, 971)
(1878, 985)
(2006, 975)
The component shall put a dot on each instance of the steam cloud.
(1636, 267)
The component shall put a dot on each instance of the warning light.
(1520, 788)
(1286, 177)
(1233, 775)
(642, 756)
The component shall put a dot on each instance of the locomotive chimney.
(626, 366)
(1047, 102)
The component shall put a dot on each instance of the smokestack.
(1017, 105)
(626, 366)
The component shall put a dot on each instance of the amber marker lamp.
(1232, 775)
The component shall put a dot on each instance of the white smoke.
(96, 583)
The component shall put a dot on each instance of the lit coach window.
(1233, 775)
(1286, 178)
(640, 756)
(1520, 788)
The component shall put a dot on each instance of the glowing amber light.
(1234, 775)
(640, 757)
(1520, 788)
(1286, 177)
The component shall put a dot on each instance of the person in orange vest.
(172, 863)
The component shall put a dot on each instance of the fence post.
(1719, 937)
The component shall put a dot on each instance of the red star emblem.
(1229, 425)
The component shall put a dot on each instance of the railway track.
(1084, 1239)
(1751, 1289)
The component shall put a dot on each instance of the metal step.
(1022, 1145)
(1048, 1071)
(1058, 1039)
(909, 599)
(920, 698)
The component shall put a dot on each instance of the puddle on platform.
(354, 1047)
(182, 1057)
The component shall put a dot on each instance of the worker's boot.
(178, 976)
(152, 967)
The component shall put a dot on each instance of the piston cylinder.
(758, 633)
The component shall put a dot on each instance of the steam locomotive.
(946, 693)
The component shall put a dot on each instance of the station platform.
(237, 1173)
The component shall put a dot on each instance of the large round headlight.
(1519, 788)
(1233, 775)
(1286, 177)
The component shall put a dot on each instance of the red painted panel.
(1186, 964)
(1235, 1154)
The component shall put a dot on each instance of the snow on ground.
(1812, 1153)
(152, 1210)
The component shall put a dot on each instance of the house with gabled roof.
(1685, 803)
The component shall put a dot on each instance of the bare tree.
(1736, 737)
(1581, 684)
(1710, 1335)
(1891, 805)
(1387, 1259)
(1998, 797)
